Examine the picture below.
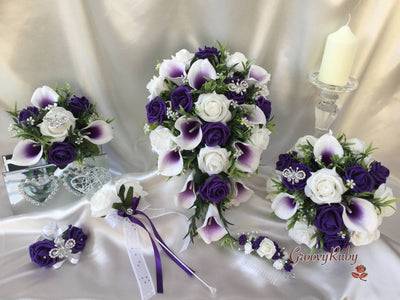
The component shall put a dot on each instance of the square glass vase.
(44, 186)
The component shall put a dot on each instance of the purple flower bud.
(208, 52)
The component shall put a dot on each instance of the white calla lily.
(326, 146)
(258, 74)
(360, 216)
(26, 153)
(170, 163)
(191, 134)
(241, 193)
(174, 70)
(187, 196)
(248, 157)
(284, 206)
(212, 229)
(199, 71)
(44, 96)
(98, 132)
(255, 114)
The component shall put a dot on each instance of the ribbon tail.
(74, 258)
(138, 262)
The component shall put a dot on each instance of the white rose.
(213, 160)
(130, 181)
(303, 141)
(325, 186)
(385, 193)
(301, 233)
(364, 238)
(161, 139)
(102, 201)
(184, 56)
(56, 123)
(278, 264)
(213, 108)
(356, 146)
(237, 59)
(156, 86)
(267, 248)
(260, 137)
(248, 248)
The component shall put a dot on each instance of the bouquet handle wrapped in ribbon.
(131, 212)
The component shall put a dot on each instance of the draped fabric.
(108, 50)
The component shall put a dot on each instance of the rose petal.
(98, 132)
(258, 74)
(173, 69)
(44, 96)
(242, 193)
(198, 71)
(191, 134)
(212, 229)
(326, 146)
(255, 115)
(360, 216)
(284, 206)
(26, 153)
(170, 163)
(249, 157)
(187, 196)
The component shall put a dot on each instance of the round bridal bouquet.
(331, 192)
(209, 117)
(59, 127)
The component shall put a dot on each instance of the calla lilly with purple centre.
(248, 157)
(174, 70)
(199, 72)
(325, 147)
(191, 134)
(98, 132)
(241, 193)
(26, 153)
(360, 216)
(258, 74)
(187, 196)
(284, 206)
(212, 229)
(170, 163)
(44, 96)
(255, 114)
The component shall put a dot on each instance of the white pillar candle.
(340, 49)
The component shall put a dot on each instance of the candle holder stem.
(326, 109)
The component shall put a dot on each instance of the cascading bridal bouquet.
(209, 118)
(331, 192)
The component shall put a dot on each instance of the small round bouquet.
(59, 127)
(331, 192)
(209, 117)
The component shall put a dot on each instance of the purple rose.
(288, 267)
(278, 253)
(181, 97)
(214, 190)
(329, 219)
(242, 239)
(156, 110)
(78, 236)
(285, 161)
(360, 178)
(208, 52)
(256, 243)
(379, 173)
(61, 154)
(265, 106)
(215, 134)
(297, 177)
(332, 241)
(78, 105)
(39, 253)
(26, 113)
(239, 98)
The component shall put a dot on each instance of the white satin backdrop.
(107, 50)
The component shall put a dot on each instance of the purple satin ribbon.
(129, 213)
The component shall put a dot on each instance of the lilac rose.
(214, 190)
(359, 179)
(294, 182)
(208, 52)
(78, 236)
(329, 219)
(332, 241)
(181, 97)
(156, 110)
(379, 173)
(265, 106)
(26, 113)
(78, 105)
(61, 154)
(39, 253)
(215, 134)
